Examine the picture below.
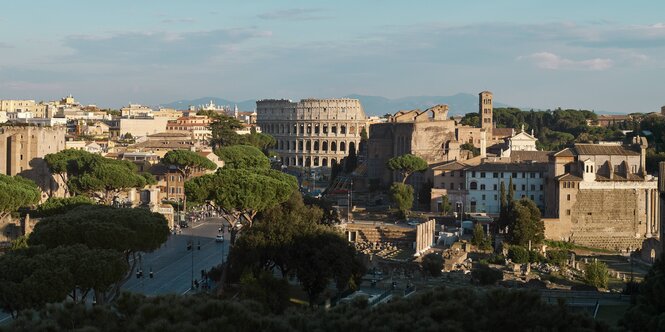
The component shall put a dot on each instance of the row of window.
(474, 186)
(308, 146)
(302, 129)
(497, 175)
(496, 197)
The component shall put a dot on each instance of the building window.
(496, 198)
(568, 212)
(495, 175)
(533, 175)
(483, 197)
(482, 187)
(541, 187)
(514, 187)
(482, 174)
(514, 175)
(523, 187)
(473, 186)
(533, 187)
(494, 186)
(532, 198)
(452, 186)
(473, 174)
(568, 197)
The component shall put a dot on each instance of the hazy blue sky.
(602, 55)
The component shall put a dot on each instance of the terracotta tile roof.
(537, 156)
(502, 132)
(510, 167)
(568, 177)
(603, 149)
(567, 152)
(449, 166)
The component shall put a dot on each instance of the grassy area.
(611, 314)
(573, 246)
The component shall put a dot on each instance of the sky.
(607, 56)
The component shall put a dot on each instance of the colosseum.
(312, 132)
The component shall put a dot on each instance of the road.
(174, 267)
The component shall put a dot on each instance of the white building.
(483, 183)
(521, 141)
(136, 111)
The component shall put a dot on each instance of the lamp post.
(460, 208)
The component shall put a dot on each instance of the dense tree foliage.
(290, 238)
(449, 309)
(526, 224)
(407, 164)
(554, 129)
(125, 231)
(242, 157)
(187, 161)
(481, 240)
(16, 192)
(402, 195)
(242, 193)
(432, 264)
(95, 176)
(648, 312)
(57, 205)
(35, 276)
(224, 128)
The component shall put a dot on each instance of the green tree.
(187, 162)
(470, 147)
(526, 224)
(223, 128)
(595, 274)
(57, 205)
(125, 231)
(432, 264)
(93, 175)
(480, 239)
(402, 195)
(242, 193)
(242, 157)
(518, 254)
(16, 192)
(445, 206)
(647, 313)
(407, 164)
(260, 141)
(504, 208)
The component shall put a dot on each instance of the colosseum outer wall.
(312, 132)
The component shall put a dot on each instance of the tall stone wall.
(608, 219)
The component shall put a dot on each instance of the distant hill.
(459, 104)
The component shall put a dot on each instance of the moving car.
(219, 238)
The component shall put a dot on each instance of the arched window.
(324, 162)
(342, 129)
(308, 146)
(352, 146)
(316, 145)
(473, 186)
(316, 161)
(324, 146)
(342, 146)
(333, 146)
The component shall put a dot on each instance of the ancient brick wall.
(608, 219)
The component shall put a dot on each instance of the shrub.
(518, 254)
(558, 257)
(536, 257)
(485, 275)
(595, 274)
(432, 264)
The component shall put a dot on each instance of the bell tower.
(485, 110)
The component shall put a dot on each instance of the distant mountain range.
(459, 104)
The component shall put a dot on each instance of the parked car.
(219, 238)
(183, 224)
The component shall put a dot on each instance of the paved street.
(172, 263)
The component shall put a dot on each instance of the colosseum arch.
(308, 146)
(316, 161)
(352, 130)
(352, 146)
(324, 162)
(333, 146)
(342, 146)
(342, 129)
(324, 146)
(316, 145)
(308, 162)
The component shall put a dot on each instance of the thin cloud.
(157, 47)
(5, 45)
(547, 60)
(296, 14)
(178, 20)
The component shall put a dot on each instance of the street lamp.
(460, 208)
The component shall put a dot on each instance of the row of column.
(310, 129)
(312, 161)
(315, 146)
